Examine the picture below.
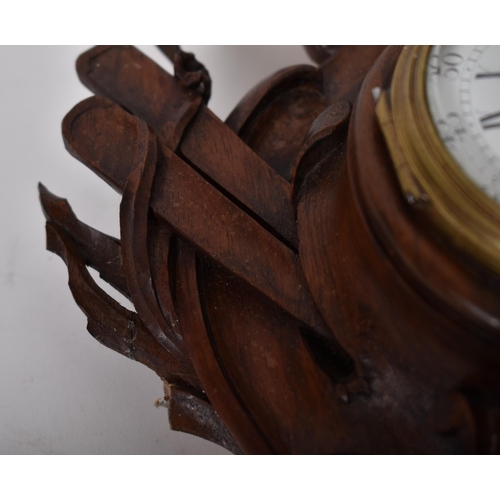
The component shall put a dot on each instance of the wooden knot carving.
(236, 249)
(191, 73)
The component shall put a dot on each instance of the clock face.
(463, 93)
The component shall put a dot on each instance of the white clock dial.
(463, 93)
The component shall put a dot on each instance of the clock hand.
(490, 121)
(488, 75)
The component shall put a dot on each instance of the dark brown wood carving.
(284, 291)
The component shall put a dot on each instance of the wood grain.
(287, 294)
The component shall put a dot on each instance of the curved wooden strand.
(99, 251)
(273, 118)
(238, 421)
(134, 225)
(192, 414)
(108, 321)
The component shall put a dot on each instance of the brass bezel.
(429, 176)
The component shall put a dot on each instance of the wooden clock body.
(285, 291)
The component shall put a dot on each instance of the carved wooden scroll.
(268, 294)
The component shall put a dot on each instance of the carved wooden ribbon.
(131, 169)
(122, 330)
(265, 300)
(195, 196)
(129, 78)
(193, 207)
(113, 325)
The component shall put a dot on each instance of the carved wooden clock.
(320, 273)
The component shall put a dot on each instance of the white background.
(61, 392)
